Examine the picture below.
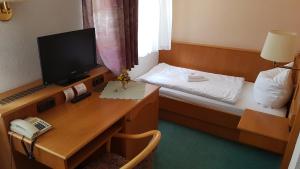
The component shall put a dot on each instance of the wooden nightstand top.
(265, 124)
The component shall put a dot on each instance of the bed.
(221, 119)
(206, 114)
(224, 93)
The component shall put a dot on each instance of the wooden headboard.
(228, 61)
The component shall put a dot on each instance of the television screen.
(67, 56)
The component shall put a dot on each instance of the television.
(67, 57)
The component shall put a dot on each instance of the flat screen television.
(67, 57)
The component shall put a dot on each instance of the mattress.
(218, 87)
(245, 101)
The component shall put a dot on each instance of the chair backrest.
(156, 135)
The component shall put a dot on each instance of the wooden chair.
(113, 161)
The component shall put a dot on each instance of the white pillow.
(273, 88)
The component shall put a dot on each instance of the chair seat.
(115, 161)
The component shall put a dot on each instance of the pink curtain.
(115, 22)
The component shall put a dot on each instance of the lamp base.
(286, 67)
(5, 12)
(275, 64)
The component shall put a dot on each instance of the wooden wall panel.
(228, 61)
(206, 115)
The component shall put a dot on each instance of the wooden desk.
(79, 129)
(264, 131)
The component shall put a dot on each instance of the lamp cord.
(29, 152)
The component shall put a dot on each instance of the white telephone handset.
(31, 127)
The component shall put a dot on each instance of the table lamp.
(279, 47)
(5, 10)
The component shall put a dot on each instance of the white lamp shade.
(279, 46)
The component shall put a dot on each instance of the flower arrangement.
(124, 78)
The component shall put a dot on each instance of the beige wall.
(19, 59)
(233, 23)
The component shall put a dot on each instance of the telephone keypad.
(39, 126)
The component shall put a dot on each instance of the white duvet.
(219, 87)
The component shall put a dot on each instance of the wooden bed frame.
(228, 61)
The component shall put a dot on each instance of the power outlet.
(45, 105)
(98, 80)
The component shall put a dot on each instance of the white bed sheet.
(219, 87)
(246, 101)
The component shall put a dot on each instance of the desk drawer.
(141, 119)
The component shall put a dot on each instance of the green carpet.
(185, 148)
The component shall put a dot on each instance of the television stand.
(72, 80)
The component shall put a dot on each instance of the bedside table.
(263, 130)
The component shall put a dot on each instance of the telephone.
(31, 127)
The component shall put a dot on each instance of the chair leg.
(108, 144)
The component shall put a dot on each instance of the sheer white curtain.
(155, 26)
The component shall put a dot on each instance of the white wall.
(295, 161)
(145, 64)
(233, 23)
(19, 59)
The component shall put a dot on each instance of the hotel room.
(140, 84)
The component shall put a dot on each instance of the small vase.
(124, 84)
